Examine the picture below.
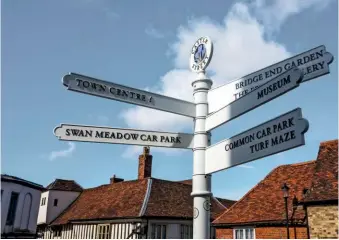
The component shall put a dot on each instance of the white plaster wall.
(8, 188)
(65, 198)
(42, 217)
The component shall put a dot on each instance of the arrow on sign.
(314, 63)
(83, 133)
(83, 84)
(277, 135)
(265, 93)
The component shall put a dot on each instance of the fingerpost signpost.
(211, 108)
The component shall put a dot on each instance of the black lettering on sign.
(78, 82)
(78, 133)
(283, 138)
(134, 136)
(283, 125)
(259, 146)
(85, 84)
(127, 136)
(99, 134)
(263, 133)
(274, 87)
(239, 142)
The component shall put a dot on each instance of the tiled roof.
(226, 202)
(188, 181)
(265, 203)
(126, 199)
(9, 178)
(122, 199)
(325, 180)
(64, 185)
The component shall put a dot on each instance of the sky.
(146, 45)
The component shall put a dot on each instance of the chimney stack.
(145, 164)
(114, 179)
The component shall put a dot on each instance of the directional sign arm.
(313, 63)
(265, 93)
(87, 85)
(84, 133)
(277, 135)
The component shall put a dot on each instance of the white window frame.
(189, 233)
(100, 234)
(244, 232)
(163, 228)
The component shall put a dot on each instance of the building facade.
(321, 201)
(312, 202)
(19, 207)
(143, 208)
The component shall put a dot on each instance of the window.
(55, 202)
(186, 231)
(158, 231)
(43, 201)
(12, 208)
(246, 233)
(57, 232)
(103, 231)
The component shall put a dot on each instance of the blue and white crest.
(201, 54)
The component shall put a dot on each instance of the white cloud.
(245, 166)
(240, 47)
(274, 13)
(152, 32)
(62, 153)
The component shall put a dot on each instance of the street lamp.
(285, 189)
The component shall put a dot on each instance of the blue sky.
(146, 44)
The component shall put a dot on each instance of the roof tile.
(325, 180)
(264, 202)
(122, 199)
(64, 185)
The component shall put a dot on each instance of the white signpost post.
(211, 108)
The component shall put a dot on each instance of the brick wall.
(280, 232)
(224, 233)
(267, 233)
(323, 221)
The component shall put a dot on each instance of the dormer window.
(55, 202)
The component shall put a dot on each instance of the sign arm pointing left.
(92, 86)
(84, 133)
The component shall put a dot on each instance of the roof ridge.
(146, 198)
(301, 163)
(227, 199)
(296, 164)
(172, 181)
(215, 199)
(329, 141)
(21, 179)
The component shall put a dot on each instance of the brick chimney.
(145, 164)
(114, 179)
